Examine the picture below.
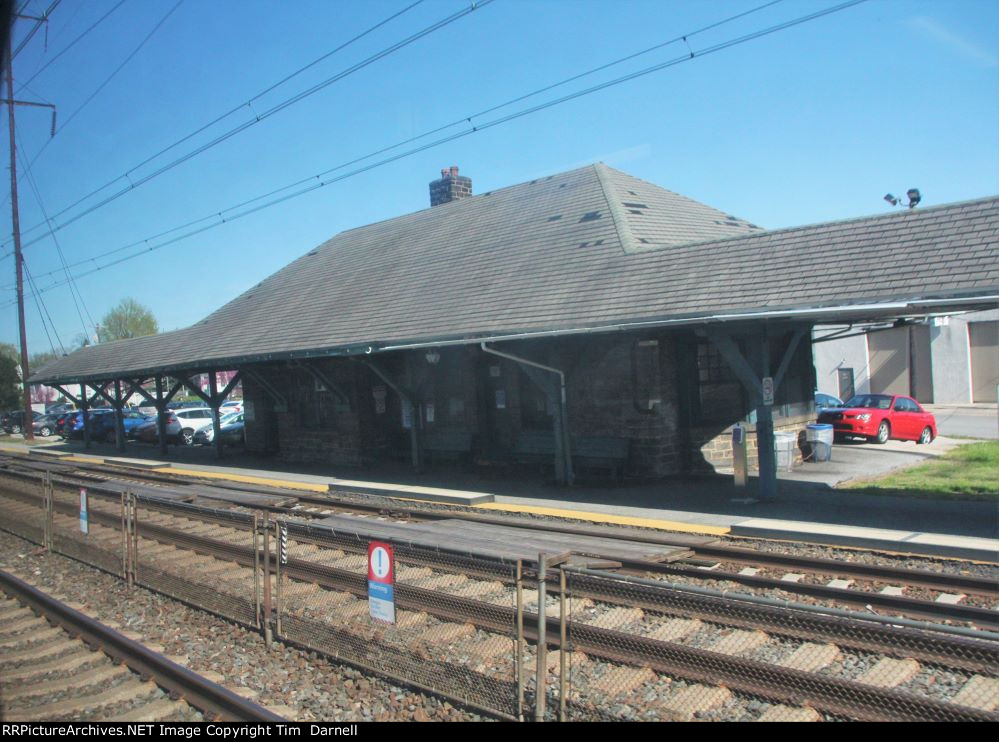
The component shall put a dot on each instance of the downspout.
(563, 425)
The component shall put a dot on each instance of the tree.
(10, 377)
(127, 320)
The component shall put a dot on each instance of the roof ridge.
(908, 213)
(621, 225)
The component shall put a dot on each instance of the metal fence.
(455, 631)
(24, 509)
(515, 639)
(207, 557)
(639, 649)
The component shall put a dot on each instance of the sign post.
(381, 582)
(84, 524)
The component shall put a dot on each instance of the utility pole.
(26, 427)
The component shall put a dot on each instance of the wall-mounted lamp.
(433, 356)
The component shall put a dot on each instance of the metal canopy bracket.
(563, 448)
(280, 403)
(319, 375)
(409, 398)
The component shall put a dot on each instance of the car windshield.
(873, 401)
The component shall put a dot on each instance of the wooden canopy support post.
(160, 420)
(752, 381)
(416, 416)
(215, 401)
(84, 405)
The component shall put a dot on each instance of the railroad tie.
(131, 688)
(440, 582)
(64, 663)
(979, 692)
(91, 677)
(890, 673)
(21, 625)
(622, 680)
(811, 657)
(40, 649)
(675, 629)
(740, 641)
(158, 710)
(478, 588)
(694, 700)
(617, 618)
(781, 712)
(35, 638)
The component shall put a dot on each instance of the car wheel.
(45, 432)
(926, 436)
(884, 433)
(111, 437)
(15, 429)
(187, 437)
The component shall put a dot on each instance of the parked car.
(206, 435)
(826, 400)
(13, 422)
(193, 419)
(881, 417)
(47, 425)
(147, 431)
(59, 408)
(232, 434)
(132, 419)
(101, 422)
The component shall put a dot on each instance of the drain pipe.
(563, 422)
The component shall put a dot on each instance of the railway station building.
(585, 321)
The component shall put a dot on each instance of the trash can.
(820, 438)
(784, 448)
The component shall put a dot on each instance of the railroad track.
(206, 553)
(925, 594)
(59, 664)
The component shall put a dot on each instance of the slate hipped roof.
(589, 248)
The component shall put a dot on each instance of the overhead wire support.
(16, 223)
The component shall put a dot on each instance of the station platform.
(808, 507)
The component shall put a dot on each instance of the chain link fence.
(514, 639)
(455, 629)
(639, 649)
(207, 557)
(102, 543)
(23, 506)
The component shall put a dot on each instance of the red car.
(880, 417)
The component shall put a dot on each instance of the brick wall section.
(607, 398)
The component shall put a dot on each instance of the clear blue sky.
(813, 123)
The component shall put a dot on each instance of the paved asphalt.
(978, 421)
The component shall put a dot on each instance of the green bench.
(454, 445)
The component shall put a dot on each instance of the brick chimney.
(450, 187)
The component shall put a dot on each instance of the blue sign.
(84, 525)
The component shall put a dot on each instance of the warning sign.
(381, 582)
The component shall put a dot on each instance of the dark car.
(47, 425)
(233, 433)
(13, 422)
(880, 418)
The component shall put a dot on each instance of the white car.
(193, 419)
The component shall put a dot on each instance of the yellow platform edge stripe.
(620, 520)
(247, 479)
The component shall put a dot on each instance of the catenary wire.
(467, 132)
(137, 182)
